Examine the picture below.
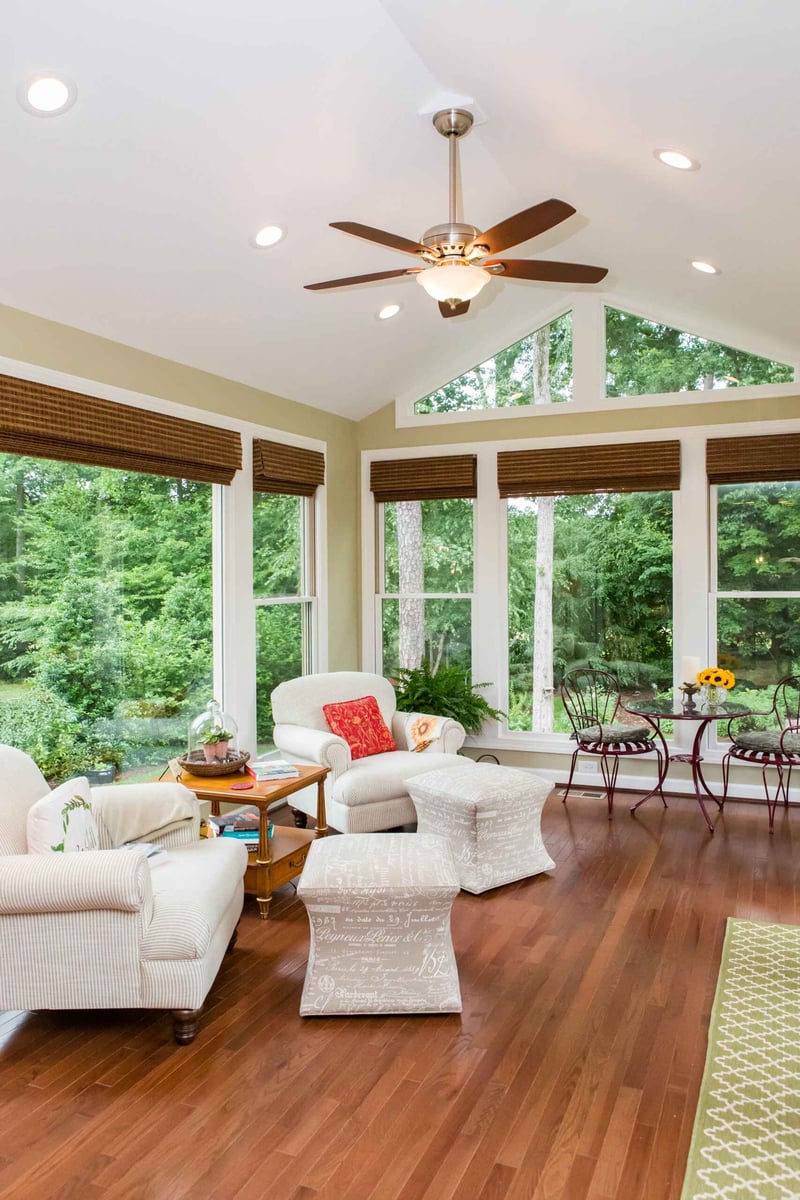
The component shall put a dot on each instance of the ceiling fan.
(458, 259)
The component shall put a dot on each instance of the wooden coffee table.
(280, 857)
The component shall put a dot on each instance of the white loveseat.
(369, 794)
(110, 928)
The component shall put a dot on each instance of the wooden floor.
(572, 1072)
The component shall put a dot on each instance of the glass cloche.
(214, 736)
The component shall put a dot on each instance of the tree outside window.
(427, 573)
(105, 614)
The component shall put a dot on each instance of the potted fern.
(447, 692)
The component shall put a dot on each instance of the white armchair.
(368, 794)
(110, 928)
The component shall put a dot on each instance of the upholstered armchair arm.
(77, 882)
(314, 745)
(166, 813)
(450, 740)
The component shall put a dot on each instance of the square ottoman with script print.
(379, 908)
(491, 817)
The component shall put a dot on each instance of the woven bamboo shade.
(753, 459)
(287, 470)
(450, 477)
(48, 422)
(573, 470)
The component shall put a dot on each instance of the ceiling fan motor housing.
(452, 241)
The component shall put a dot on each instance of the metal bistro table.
(658, 709)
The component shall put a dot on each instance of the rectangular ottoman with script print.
(491, 817)
(379, 908)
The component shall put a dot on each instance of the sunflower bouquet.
(714, 678)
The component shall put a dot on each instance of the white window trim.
(589, 366)
(232, 540)
(692, 535)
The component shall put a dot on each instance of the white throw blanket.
(146, 813)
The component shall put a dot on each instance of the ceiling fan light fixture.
(453, 282)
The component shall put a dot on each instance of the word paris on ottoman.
(379, 908)
(491, 816)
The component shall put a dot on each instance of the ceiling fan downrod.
(450, 240)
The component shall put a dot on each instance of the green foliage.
(507, 379)
(45, 727)
(644, 357)
(448, 692)
(105, 605)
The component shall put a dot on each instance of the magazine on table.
(273, 768)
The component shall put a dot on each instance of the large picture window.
(589, 584)
(758, 584)
(425, 591)
(105, 615)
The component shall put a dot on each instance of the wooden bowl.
(195, 763)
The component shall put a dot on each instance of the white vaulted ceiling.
(196, 123)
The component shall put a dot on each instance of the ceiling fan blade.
(392, 240)
(548, 271)
(525, 225)
(351, 279)
(457, 311)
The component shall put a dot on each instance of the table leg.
(697, 775)
(263, 865)
(663, 767)
(322, 827)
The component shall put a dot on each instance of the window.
(589, 584)
(425, 590)
(283, 585)
(644, 357)
(758, 584)
(535, 370)
(105, 612)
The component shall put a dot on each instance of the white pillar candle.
(689, 669)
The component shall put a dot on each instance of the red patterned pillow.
(361, 725)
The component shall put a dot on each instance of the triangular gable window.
(535, 370)
(646, 358)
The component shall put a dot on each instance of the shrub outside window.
(106, 615)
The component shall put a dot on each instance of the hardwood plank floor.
(572, 1073)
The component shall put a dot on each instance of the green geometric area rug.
(746, 1140)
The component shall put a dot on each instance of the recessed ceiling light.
(270, 235)
(705, 267)
(388, 311)
(47, 94)
(674, 158)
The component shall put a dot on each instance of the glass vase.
(713, 695)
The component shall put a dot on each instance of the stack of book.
(270, 769)
(242, 825)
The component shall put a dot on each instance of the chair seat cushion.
(768, 741)
(383, 776)
(192, 888)
(616, 732)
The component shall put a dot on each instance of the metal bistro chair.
(591, 699)
(778, 748)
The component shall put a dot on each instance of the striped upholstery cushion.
(768, 741)
(615, 732)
